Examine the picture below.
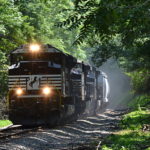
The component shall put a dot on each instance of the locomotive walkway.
(74, 136)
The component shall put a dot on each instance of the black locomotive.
(47, 86)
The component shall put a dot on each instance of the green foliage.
(14, 29)
(103, 52)
(4, 123)
(133, 134)
(104, 24)
(140, 80)
(3, 74)
(127, 140)
(135, 120)
(141, 114)
(108, 18)
(137, 57)
(43, 15)
(140, 101)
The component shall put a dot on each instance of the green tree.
(25, 21)
(42, 16)
(14, 30)
(102, 22)
(3, 74)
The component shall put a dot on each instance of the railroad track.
(18, 130)
(15, 130)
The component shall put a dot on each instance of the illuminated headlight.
(34, 47)
(46, 91)
(19, 91)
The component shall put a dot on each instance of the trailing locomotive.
(47, 86)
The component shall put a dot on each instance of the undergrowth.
(135, 128)
(4, 123)
(4, 114)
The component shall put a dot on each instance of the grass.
(140, 101)
(127, 140)
(135, 120)
(133, 135)
(4, 123)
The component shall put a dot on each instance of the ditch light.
(19, 91)
(46, 91)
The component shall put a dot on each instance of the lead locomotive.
(47, 86)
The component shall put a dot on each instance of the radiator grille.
(34, 82)
(76, 85)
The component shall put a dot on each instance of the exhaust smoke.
(117, 86)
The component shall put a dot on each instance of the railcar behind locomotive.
(47, 86)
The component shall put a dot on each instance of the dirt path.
(71, 136)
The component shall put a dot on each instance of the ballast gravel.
(71, 136)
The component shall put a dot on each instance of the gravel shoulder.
(70, 136)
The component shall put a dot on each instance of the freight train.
(47, 86)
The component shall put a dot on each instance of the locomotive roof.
(45, 48)
(48, 49)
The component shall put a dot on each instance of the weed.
(4, 123)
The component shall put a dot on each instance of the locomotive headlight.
(34, 47)
(19, 91)
(46, 90)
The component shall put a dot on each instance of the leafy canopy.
(115, 28)
(24, 21)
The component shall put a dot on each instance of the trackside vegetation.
(135, 128)
(4, 123)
